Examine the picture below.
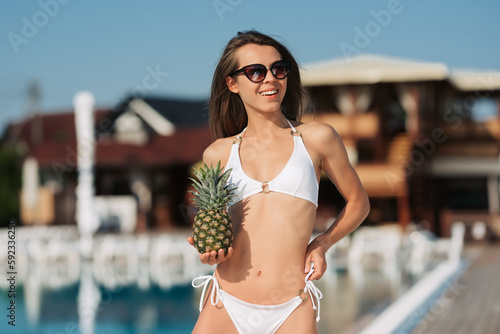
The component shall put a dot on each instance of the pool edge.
(409, 310)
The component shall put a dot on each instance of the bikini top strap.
(293, 129)
(242, 132)
(294, 132)
(237, 140)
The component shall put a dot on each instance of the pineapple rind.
(212, 229)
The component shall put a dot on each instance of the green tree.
(10, 183)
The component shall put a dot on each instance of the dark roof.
(180, 112)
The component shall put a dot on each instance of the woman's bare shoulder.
(318, 132)
(219, 150)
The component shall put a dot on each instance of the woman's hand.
(315, 253)
(213, 257)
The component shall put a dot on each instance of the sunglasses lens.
(280, 69)
(255, 73)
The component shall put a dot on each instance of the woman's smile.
(269, 93)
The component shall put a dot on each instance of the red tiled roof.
(56, 127)
(185, 146)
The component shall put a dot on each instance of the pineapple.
(212, 229)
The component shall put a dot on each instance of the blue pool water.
(123, 310)
(129, 309)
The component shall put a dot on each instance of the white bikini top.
(297, 178)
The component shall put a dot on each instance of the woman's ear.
(232, 85)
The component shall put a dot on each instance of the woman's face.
(267, 95)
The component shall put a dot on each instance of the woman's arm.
(335, 163)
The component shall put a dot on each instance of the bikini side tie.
(314, 292)
(214, 295)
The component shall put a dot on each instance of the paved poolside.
(472, 304)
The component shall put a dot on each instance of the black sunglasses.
(257, 72)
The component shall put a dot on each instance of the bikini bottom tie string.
(314, 292)
(214, 295)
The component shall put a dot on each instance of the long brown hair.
(227, 115)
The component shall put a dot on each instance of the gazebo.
(344, 93)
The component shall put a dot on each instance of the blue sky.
(113, 47)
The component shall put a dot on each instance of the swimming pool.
(142, 285)
(346, 306)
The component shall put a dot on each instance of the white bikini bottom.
(255, 318)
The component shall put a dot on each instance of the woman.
(264, 283)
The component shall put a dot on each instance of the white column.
(86, 216)
(408, 97)
(364, 97)
(33, 297)
(31, 183)
(346, 102)
(493, 194)
(89, 299)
